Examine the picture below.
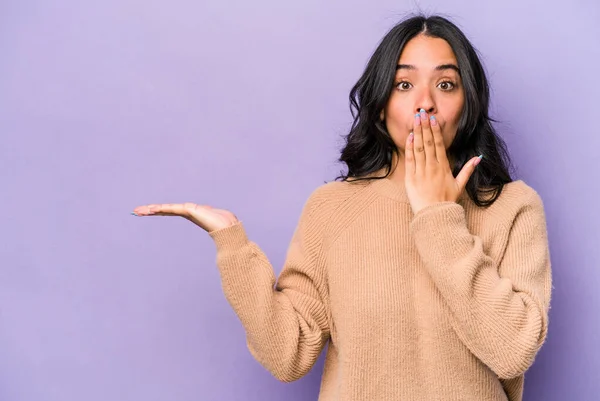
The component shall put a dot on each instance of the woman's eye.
(403, 86)
(446, 85)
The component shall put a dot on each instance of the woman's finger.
(166, 209)
(466, 172)
(438, 140)
(428, 144)
(419, 150)
(409, 156)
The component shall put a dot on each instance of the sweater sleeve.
(286, 323)
(499, 309)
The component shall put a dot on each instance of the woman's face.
(426, 78)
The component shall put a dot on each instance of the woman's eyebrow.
(440, 67)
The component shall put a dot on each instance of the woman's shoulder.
(519, 193)
(516, 196)
(328, 199)
(336, 192)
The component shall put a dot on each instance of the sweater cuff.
(230, 238)
(440, 232)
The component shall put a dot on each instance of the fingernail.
(417, 119)
(422, 111)
(433, 120)
(477, 161)
(134, 213)
(411, 137)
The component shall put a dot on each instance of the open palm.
(205, 217)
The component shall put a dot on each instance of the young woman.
(425, 267)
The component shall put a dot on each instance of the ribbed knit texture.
(448, 304)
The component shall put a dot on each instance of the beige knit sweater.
(448, 304)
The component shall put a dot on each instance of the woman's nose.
(428, 109)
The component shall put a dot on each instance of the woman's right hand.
(205, 217)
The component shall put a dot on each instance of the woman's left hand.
(428, 176)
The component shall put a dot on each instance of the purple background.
(108, 105)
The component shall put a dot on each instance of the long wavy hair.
(369, 147)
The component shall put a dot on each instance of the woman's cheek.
(449, 136)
